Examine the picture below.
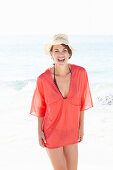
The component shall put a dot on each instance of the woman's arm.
(41, 135)
(81, 126)
(81, 123)
(40, 121)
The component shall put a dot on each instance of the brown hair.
(67, 47)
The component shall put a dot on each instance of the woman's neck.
(61, 70)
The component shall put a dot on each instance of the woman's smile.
(61, 59)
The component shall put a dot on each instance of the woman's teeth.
(61, 59)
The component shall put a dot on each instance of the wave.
(105, 100)
(17, 84)
(101, 95)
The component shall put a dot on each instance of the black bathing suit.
(56, 82)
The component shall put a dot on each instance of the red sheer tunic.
(61, 115)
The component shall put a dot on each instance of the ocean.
(22, 59)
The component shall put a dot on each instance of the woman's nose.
(61, 53)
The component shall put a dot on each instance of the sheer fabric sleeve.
(86, 98)
(38, 105)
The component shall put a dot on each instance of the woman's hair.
(67, 47)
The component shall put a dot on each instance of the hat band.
(60, 42)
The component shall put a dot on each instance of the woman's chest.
(70, 88)
(63, 84)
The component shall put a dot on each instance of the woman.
(62, 94)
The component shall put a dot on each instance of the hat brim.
(49, 45)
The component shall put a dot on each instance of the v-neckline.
(69, 84)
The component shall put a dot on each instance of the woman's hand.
(41, 138)
(81, 133)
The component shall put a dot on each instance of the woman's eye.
(63, 51)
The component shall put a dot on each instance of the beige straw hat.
(58, 39)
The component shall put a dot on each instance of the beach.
(21, 61)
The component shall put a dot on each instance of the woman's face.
(60, 54)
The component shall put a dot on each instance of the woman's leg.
(71, 156)
(57, 159)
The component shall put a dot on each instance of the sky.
(30, 17)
